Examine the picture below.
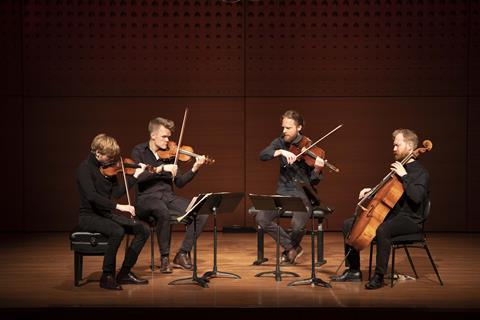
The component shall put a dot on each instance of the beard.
(288, 138)
(400, 156)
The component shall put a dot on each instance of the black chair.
(405, 241)
(319, 214)
(86, 244)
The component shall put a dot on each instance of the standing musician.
(405, 217)
(291, 171)
(155, 193)
(97, 211)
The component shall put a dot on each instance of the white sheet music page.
(193, 204)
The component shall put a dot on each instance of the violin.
(185, 153)
(113, 168)
(311, 154)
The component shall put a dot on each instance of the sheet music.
(193, 204)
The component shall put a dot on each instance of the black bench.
(86, 244)
(319, 214)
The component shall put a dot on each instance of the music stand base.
(259, 261)
(220, 274)
(320, 263)
(277, 274)
(191, 280)
(314, 282)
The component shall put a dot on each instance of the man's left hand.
(398, 168)
(199, 161)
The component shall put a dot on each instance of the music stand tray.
(192, 212)
(220, 202)
(280, 204)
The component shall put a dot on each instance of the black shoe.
(284, 257)
(182, 261)
(299, 250)
(165, 265)
(348, 276)
(130, 278)
(107, 281)
(375, 283)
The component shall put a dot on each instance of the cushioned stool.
(86, 244)
(318, 213)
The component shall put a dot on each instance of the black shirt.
(96, 190)
(149, 182)
(416, 186)
(289, 174)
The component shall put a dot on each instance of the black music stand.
(221, 202)
(280, 204)
(314, 201)
(194, 211)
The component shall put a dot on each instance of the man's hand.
(364, 193)
(139, 171)
(319, 164)
(398, 168)
(172, 168)
(126, 208)
(291, 157)
(199, 161)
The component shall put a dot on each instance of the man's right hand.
(172, 168)
(364, 193)
(126, 208)
(291, 157)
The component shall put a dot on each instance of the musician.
(291, 171)
(405, 217)
(97, 211)
(156, 197)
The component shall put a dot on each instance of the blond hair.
(154, 124)
(408, 135)
(295, 116)
(105, 145)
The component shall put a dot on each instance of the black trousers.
(266, 220)
(162, 209)
(115, 228)
(393, 225)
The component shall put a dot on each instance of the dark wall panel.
(356, 48)
(133, 48)
(473, 218)
(11, 122)
(59, 139)
(11, 39)
(362, 149)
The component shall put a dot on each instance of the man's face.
(400, 148)
(290, 129)
(161, 137)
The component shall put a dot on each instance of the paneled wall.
(74, 68)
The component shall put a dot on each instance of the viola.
(311, 153)
(377, 204)
(185, 153)
(112, 169)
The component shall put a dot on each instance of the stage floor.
(36, 271)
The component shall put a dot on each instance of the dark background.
(73, 68)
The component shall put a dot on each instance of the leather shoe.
(107, 281)
(165, 265)
(348, 275)
(182, 261)
(299, 251)
(130, 278)
(375, 283)
(292, 255)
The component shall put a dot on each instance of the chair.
(86, 244)
(318, 213)
(405, 241)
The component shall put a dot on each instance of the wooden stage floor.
(36, 273)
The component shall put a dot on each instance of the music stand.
(280, 204)
(193, 212)
(314, 201)
(221, 202)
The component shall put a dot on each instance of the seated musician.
(97, 211)
(291, 171)
(405, 217)
(156, 196)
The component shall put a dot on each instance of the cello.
(375, 206)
